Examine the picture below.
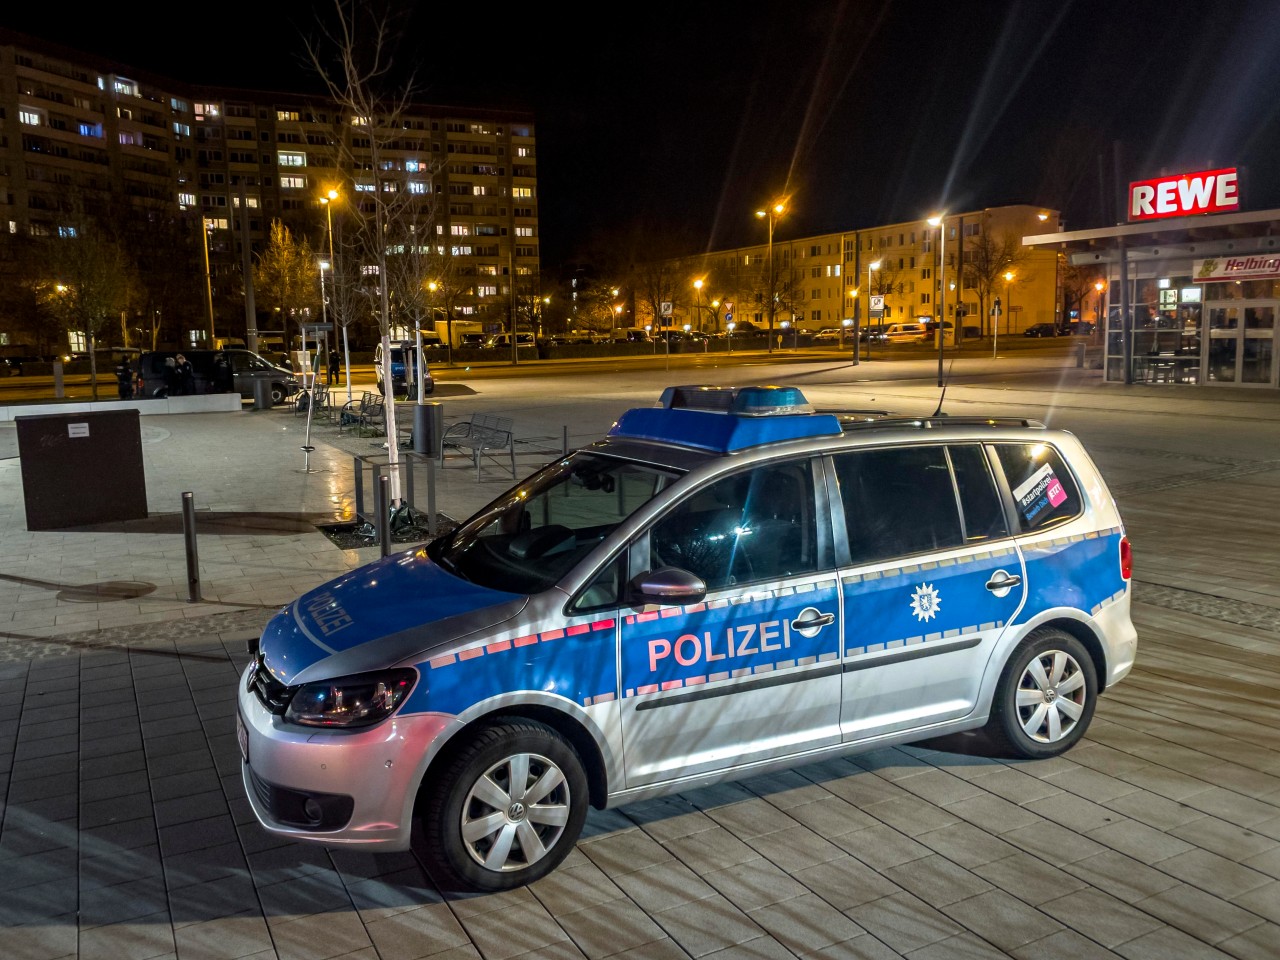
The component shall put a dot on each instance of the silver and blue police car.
(726, 584)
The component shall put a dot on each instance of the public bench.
(369, 413)
(323, 401)
(481, 436)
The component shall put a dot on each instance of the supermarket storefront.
(1186, 299)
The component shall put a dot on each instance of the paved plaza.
(126, 835)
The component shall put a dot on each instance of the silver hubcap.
(1051, 696)
(515, 813)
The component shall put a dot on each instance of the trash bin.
(262, 394)
(105, 445)
(1079, 347)
(428, 428)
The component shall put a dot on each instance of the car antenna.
(943, 396)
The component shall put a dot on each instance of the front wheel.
(507, 809)
(278, 394)
(1046, 695)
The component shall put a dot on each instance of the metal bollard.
(431, 498)
(193, 559)
(564, 440)
(1079, 354)
(381, 514)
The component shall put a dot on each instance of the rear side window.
(984, 517)
(1044, 491)
(898, 501)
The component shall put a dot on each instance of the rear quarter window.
(1045, 492)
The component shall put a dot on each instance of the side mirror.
(667, 585)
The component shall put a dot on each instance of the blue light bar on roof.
(722, 419)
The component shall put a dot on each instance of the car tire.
(278, 395)
(474, 793)
(1046, 696)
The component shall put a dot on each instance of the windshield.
(528, 539)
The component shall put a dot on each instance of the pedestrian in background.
(186, 376)
(222, 378)
(172, 382)
(334, 372)
(124, 379)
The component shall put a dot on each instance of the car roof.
(693, 424)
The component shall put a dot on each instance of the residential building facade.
(78, 132)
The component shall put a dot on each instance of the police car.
(726, 584)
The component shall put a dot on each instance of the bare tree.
(413, 265)
(90, 280)
(353, 59)
(1077, 284)
(987, 259)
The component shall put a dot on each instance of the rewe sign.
(1208, 191)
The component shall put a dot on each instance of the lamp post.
(1100, 286)
(729, 334)
(327, 200)
(771, 215)
(940, 222)
(857, 334)
(848, 322)
(697, 294)
(208, 276)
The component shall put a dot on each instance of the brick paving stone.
(1063, 945)
(1101, 917)
(514, 931)
(604, 929)
(657, 887)
(805, 923)
(705, 926)
(1029, 878)
(1202, 915)
(904, 922)
(1123, 877)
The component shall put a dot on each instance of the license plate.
(242, 737)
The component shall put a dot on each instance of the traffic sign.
(666, 308)
(877, 305)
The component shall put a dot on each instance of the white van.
(910, 332)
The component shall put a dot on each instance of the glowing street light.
(939, 221)
(771, 215)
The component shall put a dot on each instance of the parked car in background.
(827, 336)
(401, 352)
(472, 340)
(1040, 330)
(246, 369)
(1080, 328)
(502, 341)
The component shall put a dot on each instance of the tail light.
(1126, 558)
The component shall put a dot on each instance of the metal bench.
(323, 402)
(480, 435)
(369, 413)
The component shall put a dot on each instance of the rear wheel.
(507, 808)
(278, 394)
(1046, 695)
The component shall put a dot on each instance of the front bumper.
(362, 783)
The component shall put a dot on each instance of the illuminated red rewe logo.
(1208, 191)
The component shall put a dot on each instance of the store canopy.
(1200, 236)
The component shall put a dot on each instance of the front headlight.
(355, 701)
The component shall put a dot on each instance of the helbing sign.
(1209, 191)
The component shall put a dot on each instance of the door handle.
(1001, 581)
(810, 621)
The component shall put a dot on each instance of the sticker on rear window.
(1039, 492)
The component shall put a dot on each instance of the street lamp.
(1100, 286)
(939, 221)
(857, 334)
(327, 201)
(432, 287)
(697, 287)
(729, 333)
(208, 276)
(771, 215)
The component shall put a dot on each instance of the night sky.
(685, 118)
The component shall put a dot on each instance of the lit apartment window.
(524, 231)
(130, 138)
(216, 223)
(250, 202)
(32, 118)
(522, 193)
(293, 183)
(524, 151)
(126, 87)
(186, 200)
(414, 166)
(520, 132)
(360, 121)
(460, 229)
(287, 115)
(487, 291)
(290, 159)
(478, 190)
(369, 270)
(207, 111)
(461, 251)
(181, 129)
(417, 186)
(68, 233)
(180, 105)
(364, 187)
